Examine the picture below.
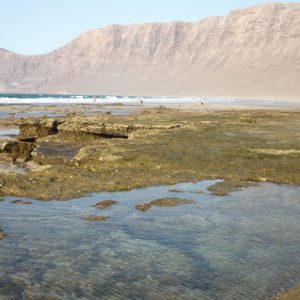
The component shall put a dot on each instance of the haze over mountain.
(253, 52)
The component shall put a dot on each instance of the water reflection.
(243, 246)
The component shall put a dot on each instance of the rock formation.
(252, 52)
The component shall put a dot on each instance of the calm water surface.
(243, 246)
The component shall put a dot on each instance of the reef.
(71, 156)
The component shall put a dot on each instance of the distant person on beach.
(201, 100)
(140, 99)
(94, 99)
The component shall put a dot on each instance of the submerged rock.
(1, 234)
(92, 218)
(143, 207)
(199, 192)
(17, 201)
(171, 202)
(105, 204)
(176, 191)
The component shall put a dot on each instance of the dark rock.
(17, 149)
(47, 151)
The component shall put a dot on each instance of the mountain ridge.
(252, 52)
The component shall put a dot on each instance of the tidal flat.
(73, 156)
(236, 253)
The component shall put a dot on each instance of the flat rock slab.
(50, 150)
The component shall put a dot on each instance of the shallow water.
(9, 167)
(243, 246)
(8, 133)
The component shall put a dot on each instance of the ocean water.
(87, 99)
(243, 246)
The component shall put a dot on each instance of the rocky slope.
(254, 52)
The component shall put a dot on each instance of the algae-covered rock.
(105, 204)
(143, 206)
(96, 152)
(17, 149)
(92, 218)
(171, 201)
(226, 187)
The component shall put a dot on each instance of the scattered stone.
(17, 201)
(1, 200)
(171, 201)
(92, 218)
(143, 207)
(105, 204)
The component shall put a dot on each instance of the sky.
(40, 26)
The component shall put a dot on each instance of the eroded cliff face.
(254, 52)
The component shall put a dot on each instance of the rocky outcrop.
(49, 140)
(108, 127)
(252, 52)
(32, 129)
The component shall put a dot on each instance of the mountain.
(252, 52)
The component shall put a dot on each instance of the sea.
(64, 99)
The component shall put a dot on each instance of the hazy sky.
(39, 26)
